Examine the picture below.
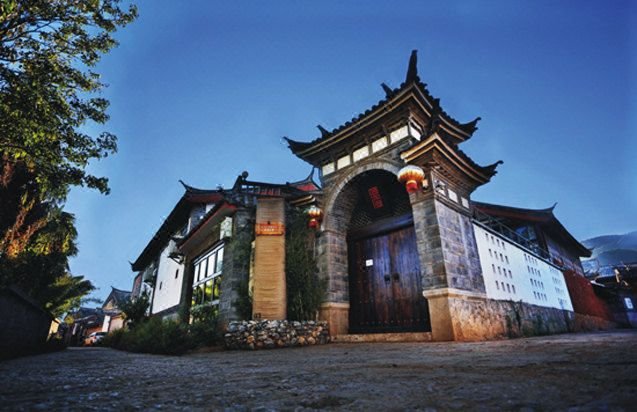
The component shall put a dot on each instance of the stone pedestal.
(337, 316)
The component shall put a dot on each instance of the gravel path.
(594, 371)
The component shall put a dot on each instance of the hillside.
(610, 250)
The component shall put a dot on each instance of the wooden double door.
(385, 286)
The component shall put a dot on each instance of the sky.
(202, 90)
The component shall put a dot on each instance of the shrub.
(135, 310)
(204, 330)
(167, 337)
(305, 290)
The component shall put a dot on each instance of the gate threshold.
(383, 337)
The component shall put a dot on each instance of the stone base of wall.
(482, 319)
(270, 334)
(337, 317)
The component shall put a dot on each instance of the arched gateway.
(371, 222)
(397, 262)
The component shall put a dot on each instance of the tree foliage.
(49, 94)
(134, 310)
(48, 50)
(40, 268)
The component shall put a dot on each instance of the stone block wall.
(234, 274)
(271, 334)
(446, 245)
(481, 319)
(24, 326)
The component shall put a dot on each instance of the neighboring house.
(113, 316)
(620, 293)
(399, 242)
(82, 323)
(183, 264)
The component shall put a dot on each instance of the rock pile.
(270, 334)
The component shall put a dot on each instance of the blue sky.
(203, 90)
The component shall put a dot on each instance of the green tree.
(48, 50)
(41, 268)
(49, 94)
(135, 310)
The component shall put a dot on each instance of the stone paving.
(593, 371)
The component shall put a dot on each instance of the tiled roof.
(412, 80)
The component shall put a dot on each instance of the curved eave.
(544, 217)
(177, 217)
(480, 174)
(414, 90)
(213, 217)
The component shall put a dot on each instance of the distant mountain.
(611, 250)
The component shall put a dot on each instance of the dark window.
(176, 273)
(160, 283)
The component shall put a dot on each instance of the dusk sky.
(202, 90)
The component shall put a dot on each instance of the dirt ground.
(594, 371)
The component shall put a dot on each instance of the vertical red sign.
(374, 196)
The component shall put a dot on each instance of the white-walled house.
(160, 265)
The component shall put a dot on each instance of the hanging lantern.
(315, 214)
(413, 177)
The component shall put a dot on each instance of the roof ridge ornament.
(324, 132)
(412, 70)
(389, 92)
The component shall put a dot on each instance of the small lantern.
(315, 214)
(413, 177)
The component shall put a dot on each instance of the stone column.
(449, 260)
(234, 272)
(332, 262)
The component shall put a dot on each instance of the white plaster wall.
(170, 293)
(513, 273)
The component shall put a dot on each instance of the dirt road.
(596, 371)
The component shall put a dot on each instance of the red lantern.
(315, 214)
(412, 177)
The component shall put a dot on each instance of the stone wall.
(24, 326)
(482, 319)
(270, 334)
(235, 274)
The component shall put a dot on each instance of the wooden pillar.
(269, 300)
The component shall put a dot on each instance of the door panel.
(385, 290)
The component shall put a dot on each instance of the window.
(508, 288)
(497, 285)
(513, 288)
(207, 283)
(160, 284)
(219, 264)
(176, 273)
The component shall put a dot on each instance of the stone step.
(383, 337)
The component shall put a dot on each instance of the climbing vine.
(305, 290)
